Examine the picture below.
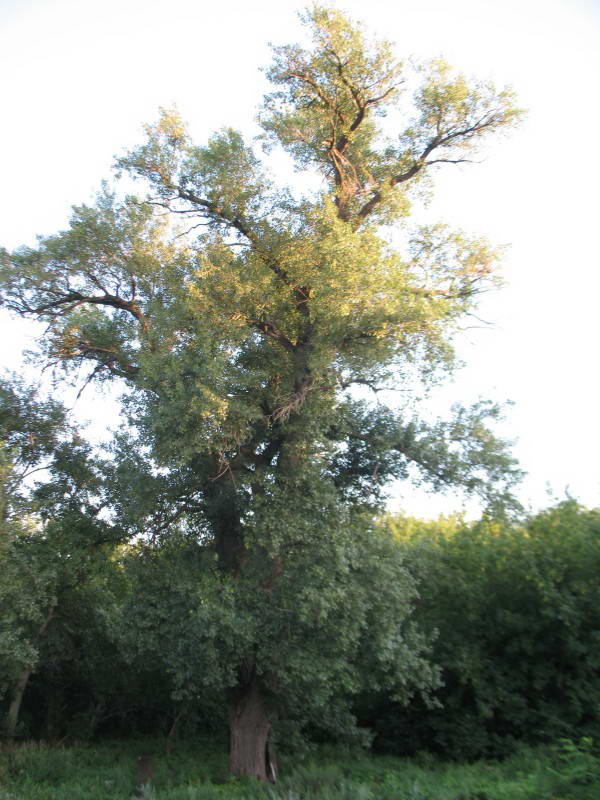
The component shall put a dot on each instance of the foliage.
(53, 542)
(31, 431)
(36, 772)
(247, 468)
(514, 607)
(339, 619)
(516, 610)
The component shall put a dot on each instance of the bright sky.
(82, 76)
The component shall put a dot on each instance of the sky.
(81, 77)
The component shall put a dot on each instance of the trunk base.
(12, 718)
(251, 755)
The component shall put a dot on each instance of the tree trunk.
(12, 718)
(250, 725)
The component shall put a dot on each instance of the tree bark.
(251, 754)
(12, 718)
(250, 725)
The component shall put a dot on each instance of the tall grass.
(97, 772)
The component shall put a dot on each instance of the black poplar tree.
(241, 314)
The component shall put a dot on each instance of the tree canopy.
(240, 315)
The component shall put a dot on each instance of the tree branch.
(73, 299)
(273, 332)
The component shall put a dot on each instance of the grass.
(36, 771)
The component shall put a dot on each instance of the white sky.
(80, 77)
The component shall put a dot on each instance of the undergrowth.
(35, 771)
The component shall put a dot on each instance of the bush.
(517, 610)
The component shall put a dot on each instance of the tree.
(30, 433)
(241, 315)
(50, 533)
(516, 607)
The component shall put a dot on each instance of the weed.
(109, 771)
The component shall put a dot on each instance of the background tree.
(51, 535)
(241, 314)
(516, 608)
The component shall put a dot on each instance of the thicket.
(517, 613)
(514, 609)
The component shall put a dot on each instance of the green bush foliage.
(517, 610)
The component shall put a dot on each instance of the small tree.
(241, 334)
(50, 534)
